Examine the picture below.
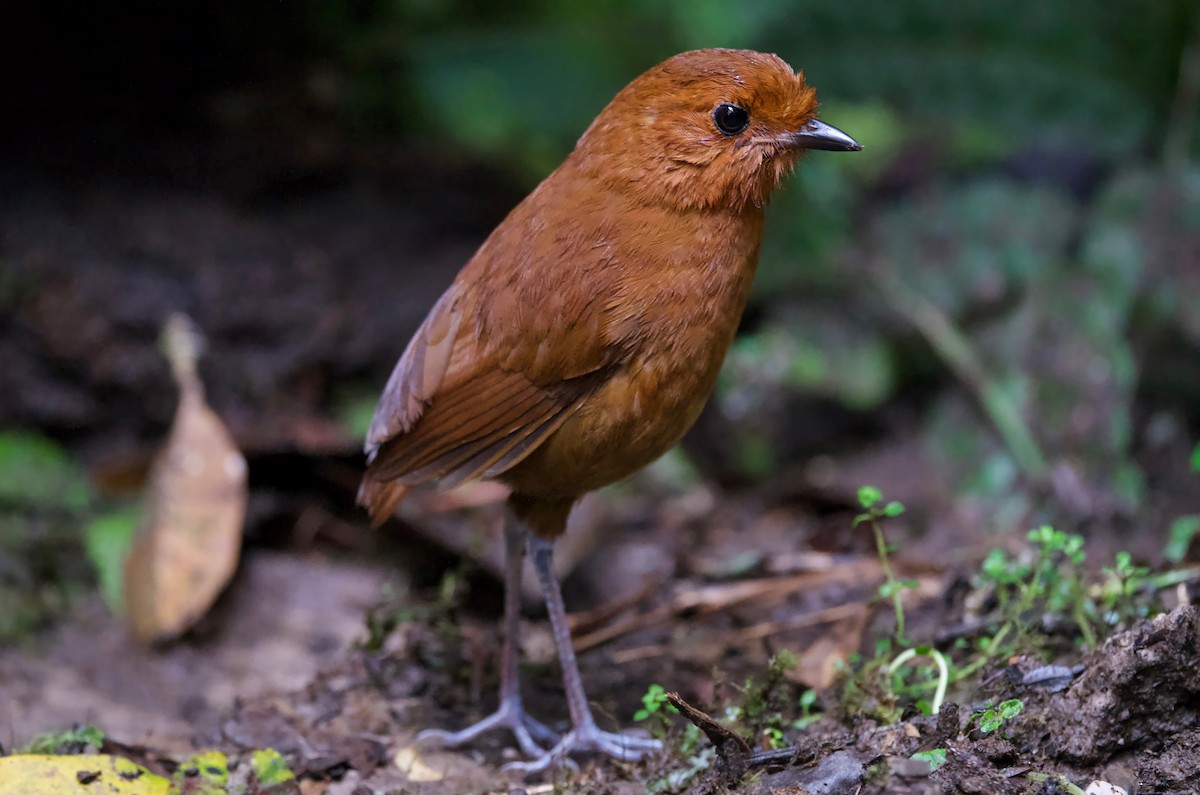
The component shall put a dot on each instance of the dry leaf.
(187, 548)
(408, 760)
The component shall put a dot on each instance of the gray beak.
(819, 135)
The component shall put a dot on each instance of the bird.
(584, 336)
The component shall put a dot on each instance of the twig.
(713, 598)
(584, 622)
(835, 613)
(732, 750)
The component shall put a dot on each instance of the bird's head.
(708, 128)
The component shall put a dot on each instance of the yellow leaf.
(206, 773)
(270, 767)
(410, 764)
(38, 774)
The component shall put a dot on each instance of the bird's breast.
(682, 318)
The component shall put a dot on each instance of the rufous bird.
(585, 335)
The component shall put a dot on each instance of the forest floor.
(290, 661)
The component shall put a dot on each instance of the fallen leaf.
(206, 773)
(1104, 788)
(187, 548)
(41, 774)
(409, 763)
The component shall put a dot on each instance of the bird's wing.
(498, 365)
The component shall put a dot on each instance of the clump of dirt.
(1137, 702)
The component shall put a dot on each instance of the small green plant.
(875, 510)
(808, 700)
(73, 741)
(1179, 537)
(994, 717)
(1052, 583)
(940, 680)
(107, 540)
(656, 712)
(1118, 593)
(774, 737)
(653, 700)
(763, 704)
(1185, 528)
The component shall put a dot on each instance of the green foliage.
(870, 498)
(37, 474)
(522, 80)
(763, 704)
(73, 741)
(993, 717)
(1180, 536)
(1051, 585)
(270, 767)
(808, 713)
(653, 700)
(45, 497)
(107, 540)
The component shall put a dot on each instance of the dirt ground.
(282, 664)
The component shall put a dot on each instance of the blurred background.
(991, 313)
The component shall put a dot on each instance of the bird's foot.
(587, 739)
(511, 715)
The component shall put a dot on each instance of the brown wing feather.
(465, 421)
(504, 358)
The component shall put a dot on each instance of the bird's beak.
(819, 135)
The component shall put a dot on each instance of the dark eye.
(730, 118)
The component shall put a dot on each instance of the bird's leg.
(510, 714)
(585, 735)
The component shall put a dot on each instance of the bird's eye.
(730, 118)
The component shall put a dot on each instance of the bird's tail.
(380, 498)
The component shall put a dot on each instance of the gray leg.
(585, 735)
(511, 713)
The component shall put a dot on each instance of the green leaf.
(1196, 459)
(1180, 536)
(107, 541)
(36, 473)
(868, 496)
(893, 508)
(1010, 708)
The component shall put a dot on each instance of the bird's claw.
(588, 739)
(527, 731)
